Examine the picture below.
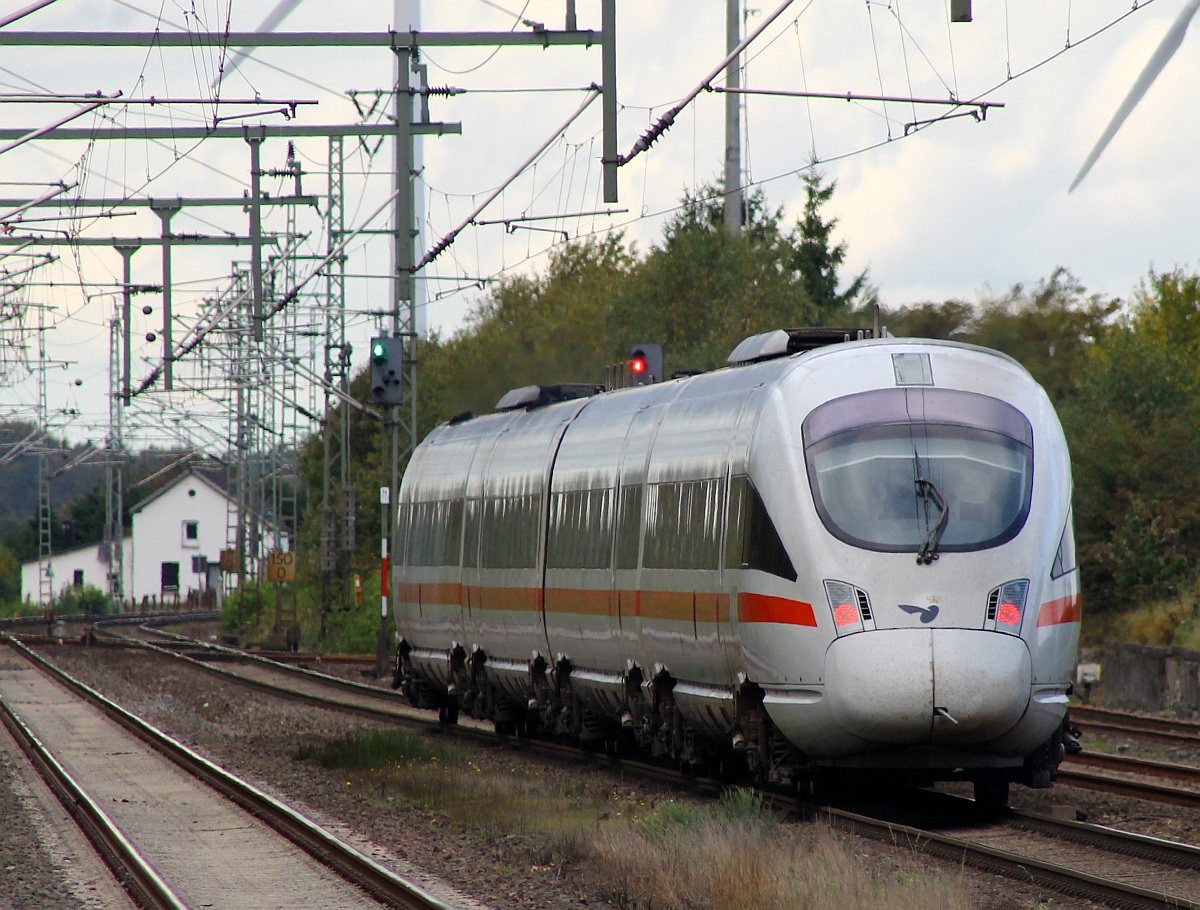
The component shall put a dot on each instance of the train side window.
(598, 530)
(753, 541)
(662, 526)
(402, 524)
(510, 532)
(706, 523)
(735, 532)
(436, 533)
(1064, 559)
(470, 557)
(629, 526)
(580, 530)
(684, 526)
(451, 541)
(556, 532)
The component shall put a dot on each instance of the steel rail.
(1063, 879)
(1106, 783)
(1139, 726)
(144, 885)
(347, 861)
(1114, 840)
(1127, 764)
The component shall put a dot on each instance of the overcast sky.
(958, 209)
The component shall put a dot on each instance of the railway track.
(179, 831)
(1090, 862)
(1087, 861)
(1103, 721)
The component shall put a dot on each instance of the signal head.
(645, 363)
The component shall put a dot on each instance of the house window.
(170, 576)
(78, 580)
(191, 534)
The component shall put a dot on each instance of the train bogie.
(858, 557)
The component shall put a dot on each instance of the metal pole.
(608, 80)
(126, 312)
(165, 211)
(256, 278)
(733, 121)
(404, 313)
(114, 503)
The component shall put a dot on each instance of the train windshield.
(920, 470)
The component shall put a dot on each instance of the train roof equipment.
(785, 342)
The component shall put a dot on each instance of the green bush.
(83, 599)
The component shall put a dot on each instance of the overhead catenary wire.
(449, 238)
(664, 122)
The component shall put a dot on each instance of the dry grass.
(734, 854)
(1175, 621)
(748, 861)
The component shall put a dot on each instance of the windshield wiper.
(927, 489)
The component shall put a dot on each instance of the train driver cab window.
(896, 469)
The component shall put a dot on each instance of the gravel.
(42, 867)
(258, 735)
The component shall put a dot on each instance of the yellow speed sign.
(281, 566)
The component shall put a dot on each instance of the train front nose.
(916, 686)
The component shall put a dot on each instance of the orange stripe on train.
(680, 606)
(1063, 610)
(765, 608)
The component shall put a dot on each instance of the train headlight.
(850, 607)
(1006, 606)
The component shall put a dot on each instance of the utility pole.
(114, 505)
(45, 547)
(335, 437)
(733, 121)
(405, 305)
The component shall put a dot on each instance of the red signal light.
(638, 365)
(1008, 614)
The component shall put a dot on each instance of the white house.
(174, 547)
(80, 566)
(178, 533)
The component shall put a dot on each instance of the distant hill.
(19, 477)
(77, 487)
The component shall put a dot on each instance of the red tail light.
(1008, 614)
(845, 614)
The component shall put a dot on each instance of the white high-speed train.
(852, 557)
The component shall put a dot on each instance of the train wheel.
(991, 789)
(448, 712)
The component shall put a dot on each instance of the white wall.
(158, 537)
(63, 566)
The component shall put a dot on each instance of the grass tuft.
(378, 749)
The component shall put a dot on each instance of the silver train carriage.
(853, 557)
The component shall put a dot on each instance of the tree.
(10, 577)
(531, 329)
(818, 260)
(1134, 428)
(701, 290)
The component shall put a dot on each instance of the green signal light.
(379, 350)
